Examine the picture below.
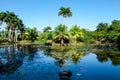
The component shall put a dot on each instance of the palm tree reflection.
(10, 59)
(62, 56)
(65, 75)
(65, 56)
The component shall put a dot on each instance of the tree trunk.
(62, 42)
(3, 35)
(15, 35)
(75, 40)
(9, 35)
(64, 21)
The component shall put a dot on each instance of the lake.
(34, 62)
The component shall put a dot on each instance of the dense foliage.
(108, 33)
(13, 30)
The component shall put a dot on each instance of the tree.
(31, 34)
(87, 36)
(102, 32)
(13, 24)
(9, 19)
(2, 19)
(115, 25)
(76, 32)
(46, 29)
(19, 27)
(61, 35)
(114, 31)
(65, 12)
(102, 26)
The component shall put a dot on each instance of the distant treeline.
(13, 30)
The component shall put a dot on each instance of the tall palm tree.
(2, 19)
(13, 24)
(2, 16)
(65, 12)
(18, 27)
(9, 20)
(76, 32)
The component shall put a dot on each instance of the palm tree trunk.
(22, 38)
(75, 40)
(15, 35)
(3, 33)
(65, 21)
(9, 35)
(62, 42)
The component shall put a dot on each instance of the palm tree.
(76, 32)
(9, 20)
(31, 34)
(2, 19)
(13, 24)
(61, 34)
(2, 16)
(18, 28)
(65, 12)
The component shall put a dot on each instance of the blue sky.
(41, 13)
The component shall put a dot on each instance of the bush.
(42, 42)
(91, 41)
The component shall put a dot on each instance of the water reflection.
(105, 55)
(10, 59)
(61, 63)
(62, 54)
(65, 57)
(65, 75)
(30, 50)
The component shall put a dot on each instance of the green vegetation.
(60, 35)
(13, 30)
(76, 33)
(31, 34)
(108, 33)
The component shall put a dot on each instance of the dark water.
(43, 63)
